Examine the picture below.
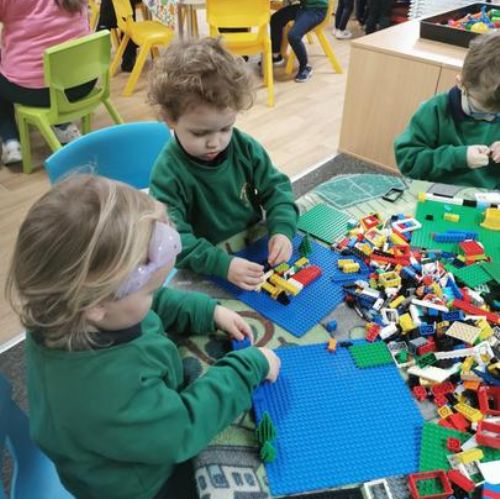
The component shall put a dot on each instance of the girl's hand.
(478, 156)
(245, 274)
(232, 323)
(280, 249)
(274, 364)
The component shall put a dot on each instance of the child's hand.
(274, 364)
(232, 323)
(280, 249)
(245, 274)
(495, 151)
(478, 156)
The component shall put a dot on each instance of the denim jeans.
(343, 13)
(304, 21)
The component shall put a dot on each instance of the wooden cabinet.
(390, 73)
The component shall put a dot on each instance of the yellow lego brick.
(395, 303)
(390, 279)
(442, 326)
(344, 261)
(272, 290)
(467, 364)
(366, 249)
(470, 455)
(349, 268)
(486, 330)
(279, 282)
(444, 411)
(436, 288)
(395, 239)
(451, 217)
(406, 323)
(301, 262)
(473, 415)
(331, 345)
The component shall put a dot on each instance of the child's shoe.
(343, 34)
(278, 60)
(11, 152)
(304, 75)
(67, 133)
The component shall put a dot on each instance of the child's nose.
(212, 142)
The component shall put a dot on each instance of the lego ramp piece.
(371, 354)
(306, 309)
(337, 424)
(492, 219)
(324, 222)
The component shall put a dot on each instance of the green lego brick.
(324, 223)
(471, 275)
(493, 268)
(470, 219)
(371, 354)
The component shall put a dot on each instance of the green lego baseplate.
(324, 223)
(371, 354)
(430, 215)
(493, 268)
(433, 451)
(471, 275)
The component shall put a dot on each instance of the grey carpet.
(12, 363)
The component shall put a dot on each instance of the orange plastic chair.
(319, 31)
(148, 35)
(253, 14)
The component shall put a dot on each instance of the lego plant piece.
(268, 453)
(265, 430)
(305, 248)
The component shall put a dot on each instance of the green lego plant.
(305, 248)
(265, 430)
(268, 453)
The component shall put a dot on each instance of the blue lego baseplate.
(337, 424)
(312, 304)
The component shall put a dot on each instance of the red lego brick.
(453, 444)
(471, 248)
(461, 480)
(440, 400)
(471, 309)
(443, 388)
(307, 275)
(430, 475)
(420, 392)
(430, 346)
(445, 424)
(458, 421)
(489, 400)
(488, 433)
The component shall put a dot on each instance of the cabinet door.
(382, 93)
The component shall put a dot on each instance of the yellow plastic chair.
(319, 31)
(253, 14)
(93, 56)
(94, 8)
(148, 35)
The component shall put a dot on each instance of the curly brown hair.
(200, 72)
(481, 70)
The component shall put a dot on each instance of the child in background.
(215, 179)
(305, 16)
(105, 384)
(454, 137)
(342, 16)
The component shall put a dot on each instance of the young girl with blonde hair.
(105, 384)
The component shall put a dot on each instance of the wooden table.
(390, 73)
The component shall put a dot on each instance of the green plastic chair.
(68, 65)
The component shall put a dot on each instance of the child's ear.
(168, 119)
(95, 314)
(459, 81)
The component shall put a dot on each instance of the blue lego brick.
(307, 308)
(337, 424)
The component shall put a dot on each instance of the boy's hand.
(245, 274)
(232, 323)
(274, 364)
(280, 249)
(478, 156)
(495, 151)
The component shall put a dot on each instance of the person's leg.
(384, 20)
(361, 11)
(305, 21)
(374, 7)
(346, 14)
(338, 13)
(278, 22)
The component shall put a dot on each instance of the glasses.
(164, 246)
(471, 109)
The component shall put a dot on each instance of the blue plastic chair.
(122, 152)
(34, 475)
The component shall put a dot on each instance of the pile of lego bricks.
(445, 335)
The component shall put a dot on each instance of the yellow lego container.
(390, 279)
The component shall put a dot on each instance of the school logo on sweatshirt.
(244, 194)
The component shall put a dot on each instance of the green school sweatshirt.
(314, 4)
(434, 145)
(116, 420)
(212, 203)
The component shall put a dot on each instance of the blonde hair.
(200, 72)
(76, 246)
(481, 70)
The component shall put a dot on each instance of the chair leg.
(327, 49)
(118, 55)
(136, 72)
(309, 38)
(49, 135)
(86, 123)
(113, 112)
(268, 76)
(155, 52)
(289, 63)
(284, 40)
(24, 138)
